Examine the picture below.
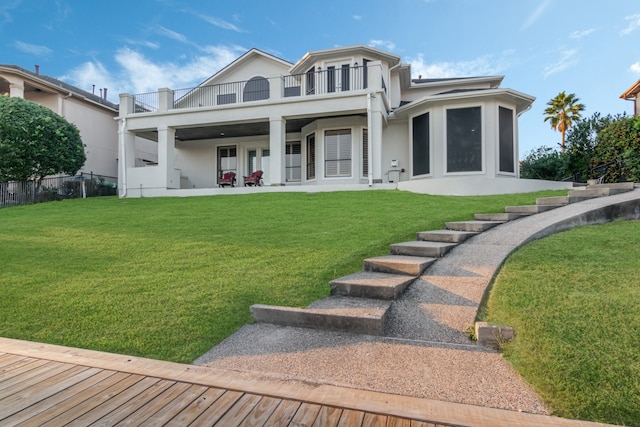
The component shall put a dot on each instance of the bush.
(618, 150)
(542, 163)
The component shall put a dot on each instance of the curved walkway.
(425, 351)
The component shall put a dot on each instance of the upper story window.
(256, 89)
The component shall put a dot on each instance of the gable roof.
(310, 57)
(247, 56)
(632, 92)
(58, 85)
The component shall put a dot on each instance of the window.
(252, 161)
(227, 160)
(505, 124)
(421, 152)
(229, 98)
(293, 161)
(337, 151)
(257, 88)
(311, 81)
(311, 156)
(464, 140)
(365, 152)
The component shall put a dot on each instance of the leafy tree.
(618, 150)
(578, 159)
(36, 142)
(542, 163)
(562, 111)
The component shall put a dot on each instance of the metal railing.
(16, 193)
(317, 82)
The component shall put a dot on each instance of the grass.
(574, 301)
(168, 278)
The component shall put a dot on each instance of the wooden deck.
(49, 385)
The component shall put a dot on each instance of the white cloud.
(634, 24)
(536, 14)
(145, 43)
(5, 10)
(567, 60)
(482, 66)
(33, 48)
(635, 67)
(357, 17)
(139, 74)
(577, 35)
(172, 34)
(388, 45)
(220, 23)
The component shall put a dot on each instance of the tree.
(578, 159)
(618, 150)
(36, 142)
(542, 163)
(562, 111)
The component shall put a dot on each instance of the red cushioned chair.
(228, 178)
(254, 179)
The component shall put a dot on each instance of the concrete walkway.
(425, 351)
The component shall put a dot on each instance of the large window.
(293, 162)
(311, 156)
(337, 153)
(365, 152)
(227, 160)
(507, 149)
(421, 153)
(464, 139)
(257, 88)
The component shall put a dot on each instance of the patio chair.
(228, 178)
(254, 179)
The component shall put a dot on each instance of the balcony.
(311, 84)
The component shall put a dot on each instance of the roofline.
(632, 92)
(241, 58)
(458, 80)
(393, 59)
(480, 93)
(59, 85)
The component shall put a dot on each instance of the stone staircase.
(360, 303)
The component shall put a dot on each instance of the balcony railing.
(312, 83)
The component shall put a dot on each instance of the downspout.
(369, 150)
(123, 152)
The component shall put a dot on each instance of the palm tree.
(562, 111)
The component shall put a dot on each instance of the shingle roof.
(62, 85)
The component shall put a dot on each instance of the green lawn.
(168, 278)
(574, 301)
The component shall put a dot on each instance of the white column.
(374, 122)
(127, 156)
(277, 143)
(165, 99)
(169, 177)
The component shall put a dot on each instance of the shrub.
(618, 150)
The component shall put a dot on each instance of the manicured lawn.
(574, 301)
(168, 278)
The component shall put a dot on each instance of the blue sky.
(587, 47)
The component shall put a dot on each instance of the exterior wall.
(395, 146)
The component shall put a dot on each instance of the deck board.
(49, 385)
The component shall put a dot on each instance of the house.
(631, 94)
(93, 115)
(347, 117)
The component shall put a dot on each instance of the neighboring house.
(631, 94)
(347, 116)
(93, 115)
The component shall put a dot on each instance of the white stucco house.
(347, 117)
(93, 115)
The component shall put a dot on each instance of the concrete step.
(367, 284)
(578, 195)
(446, 236)
(620, 186)
(474, 226)
(421, 248)
(530, 209)
(398, 264)
(503, 216)
(556, 201)
(355, 315)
